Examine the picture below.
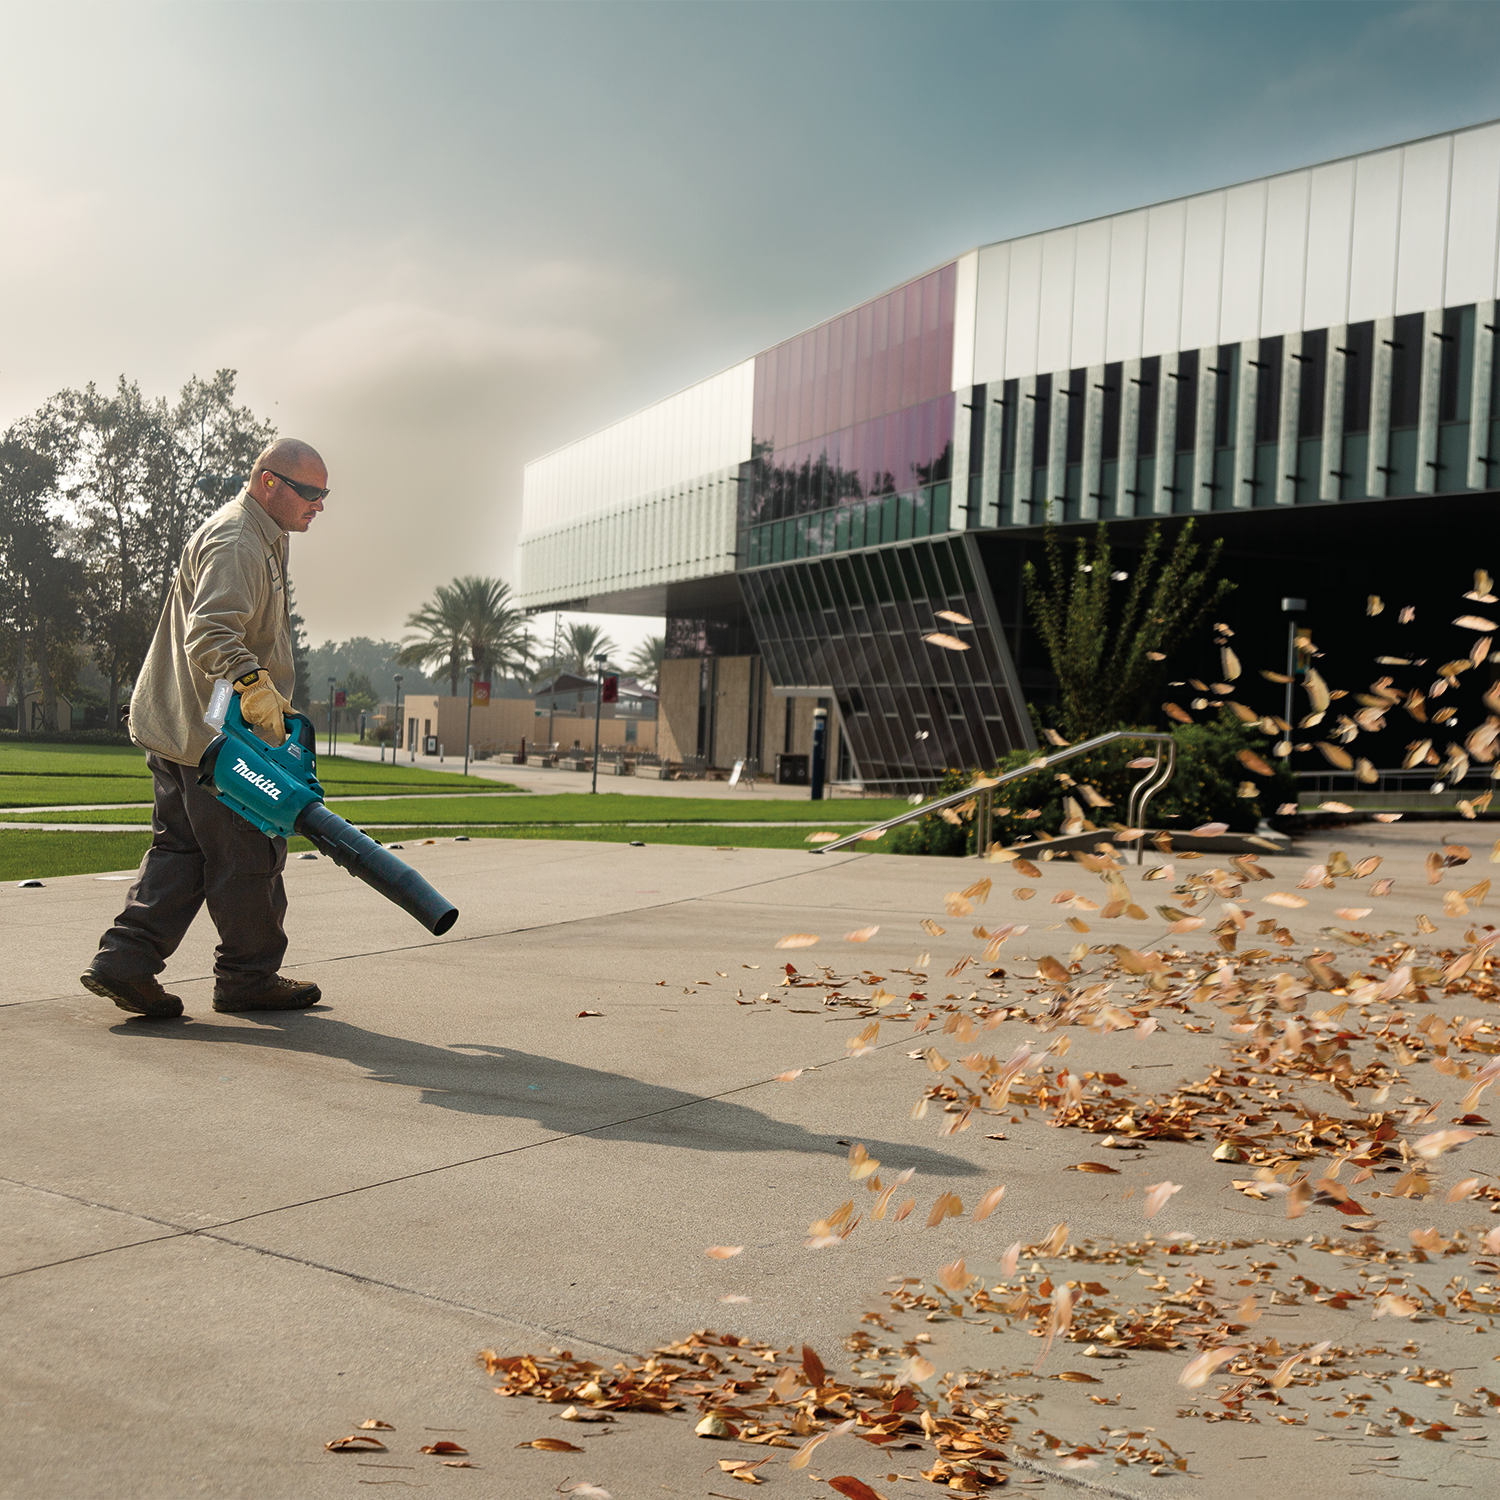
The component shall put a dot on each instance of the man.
(226, 618)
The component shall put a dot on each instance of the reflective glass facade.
(854, 625)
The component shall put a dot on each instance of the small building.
(570, 694)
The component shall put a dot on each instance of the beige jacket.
(226, 614)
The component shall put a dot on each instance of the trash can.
(792, 770)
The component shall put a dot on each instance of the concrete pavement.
(229, 1239)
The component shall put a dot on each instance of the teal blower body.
(275, 787)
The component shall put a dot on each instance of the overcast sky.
(438, 240)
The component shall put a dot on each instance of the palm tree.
(581, 643)
(438, 638)
(468, 622)
(646, 659)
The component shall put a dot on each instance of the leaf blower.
(275, 787)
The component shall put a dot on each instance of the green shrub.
(1204, 789)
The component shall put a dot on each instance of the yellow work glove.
(261, 706)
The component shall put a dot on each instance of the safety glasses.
(307, 491)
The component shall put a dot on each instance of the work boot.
(139, 993)
(274, 993)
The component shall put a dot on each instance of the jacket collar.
(268, 529)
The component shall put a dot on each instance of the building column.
(1479, 396)
(1093, 443)
(994, 444)
(1166, 437)
(1380, 409)
(1203, 435)
(964, 400)
(1130, 438)
(1025, 450)
(1288, 420)
(1427, 406)
(1335, 372)
(1244, 427)
(1057, 449)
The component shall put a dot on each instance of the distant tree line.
(99, 490)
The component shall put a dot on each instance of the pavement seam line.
(210, 1229)
(473, 937)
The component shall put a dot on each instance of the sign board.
(481, 695)
(611, 690)
(734, 775)
(340, 698)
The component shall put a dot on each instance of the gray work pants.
(200, 852)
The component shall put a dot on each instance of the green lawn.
(27, 854)
(555, 810)
(50, 775)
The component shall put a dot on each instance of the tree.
(645, 661)
(359, 692)
(29, 455)
(301, 679)
(1106, 655)
(581, 643)
(469, 622)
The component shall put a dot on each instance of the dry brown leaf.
(443, 1447)
(1157, 1195)
(355, 1443)
(947, 642)
(800, 1459)
(1198, 1369)
(1283, 898)
(723, 1252)
(551, 1445)
(798, 940)
(988, 1204)
(1093, 1166)
(377, 1423)
(861, 934)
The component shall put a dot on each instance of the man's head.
(275, 480)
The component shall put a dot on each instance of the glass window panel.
(1313, 362)
(1011, 396)
(833, 403)
(1150, 390)
(1113, 378)
(1406, 371)
(849, 345)
(819, 393)
(864, 364)
(942, 495)
(930, 383)
(880, 355)
(1186, 380)
(1458, 364)
(911, 352)
(841, 531)
(1226, 404)
(1077, 399)
(889, 509)
(1358, 351)
(947, 299)
(903, 518)
(1268, 391)
(921, 515)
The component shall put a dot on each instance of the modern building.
(1303, 363)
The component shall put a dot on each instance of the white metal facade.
(646, 501)
(1409, 229)
(1396, 231)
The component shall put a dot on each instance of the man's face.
(282, 503)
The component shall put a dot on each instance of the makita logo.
(265, 783)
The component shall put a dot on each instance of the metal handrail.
(1141, 793)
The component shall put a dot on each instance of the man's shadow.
(560, 1097)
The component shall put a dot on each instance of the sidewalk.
(535, 779)
(228, 1240)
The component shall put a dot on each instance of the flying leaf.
(1009, 1259)
(947, 642)
(1430, 1147)
(1474, 622)
(1283, 898)
(952, 617)
(1198, 1369)
(988, 1204)
(948, 1205)
(723, 1252)
(1157, 1195)
(801, 1458)
(861, 934)
(798, 940)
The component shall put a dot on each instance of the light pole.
(473, 668)
(599, 665)
(330, 715)
(552, 710)
(400, 725)
(1290, 608)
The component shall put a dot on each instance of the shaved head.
(287, 454)
(281, 474)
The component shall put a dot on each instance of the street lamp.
(398, 741)
(600, 661)
(472, 672)
(1290, 608)
(330, 715)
